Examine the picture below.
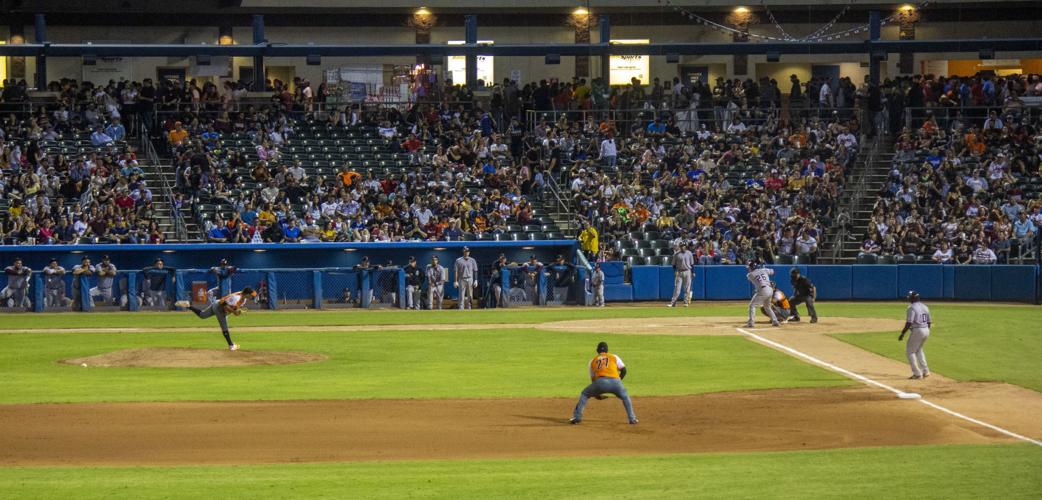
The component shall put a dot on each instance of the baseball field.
(451, 404)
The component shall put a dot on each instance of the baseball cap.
(602, 347)
(466, 249)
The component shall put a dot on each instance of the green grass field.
(941, 472)
(1003, 343)
(970, 342)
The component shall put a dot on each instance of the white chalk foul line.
(862, 378)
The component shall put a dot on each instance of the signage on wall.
(456, 66)
(108, 68)
(624, 68)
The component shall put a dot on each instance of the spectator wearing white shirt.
(943, 254)
(984, 255)
(609, 151)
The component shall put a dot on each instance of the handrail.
(555, 190)
(857, 193)
(180, 229)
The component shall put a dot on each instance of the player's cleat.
(927, 374)
(794, 319)
(687, 304)
(634, 422)
(573, 420)
(233, 347)
(183, 304)
(671, 305)
(749, 324)
(814, 320)
(914, 377)
(775, 323)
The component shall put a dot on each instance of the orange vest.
(604, 365)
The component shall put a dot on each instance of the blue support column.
(258, 61)
(471, 28)
(874, 28)
(181, 290)
(84, 289)
(504, 286)
(401, 289)
(133, 299)
(364, 292)
(38, 293)
(316, 285)
(540, 288)
(605, 32)
(273, 291)
(583, 293)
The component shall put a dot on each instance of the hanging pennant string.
(828, 26)
(775, 22)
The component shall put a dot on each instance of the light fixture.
(349, 249)
(906, 8)
(527, 248)
(168, 251)
(741, 10)
(260, 250)
(581, 11)
(422, 11)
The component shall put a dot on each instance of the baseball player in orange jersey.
(606, 373)
(233, 303)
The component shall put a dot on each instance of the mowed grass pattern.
(928, 472)
(394, 364)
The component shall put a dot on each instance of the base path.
(317, 431)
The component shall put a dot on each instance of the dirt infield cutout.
(183, 357)
(716, 325)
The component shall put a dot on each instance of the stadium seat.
(867, 258)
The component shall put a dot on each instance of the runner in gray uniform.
(54, 285)
(761, 280)
(919, 322)
(16, 293)
(597, 284)
(436, 276)
(683, 263)
(466, 269)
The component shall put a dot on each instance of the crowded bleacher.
(741, 169)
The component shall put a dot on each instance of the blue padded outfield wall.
(853, 282)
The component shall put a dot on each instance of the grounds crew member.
(466, 269)
(233, 303)
(606, 373)
(803, 292)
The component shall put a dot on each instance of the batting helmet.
(753, 265)
(913, 296)
(602, 347)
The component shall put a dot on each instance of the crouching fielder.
(919, 322)
(233, 303)
(606, 373)
(761, 280)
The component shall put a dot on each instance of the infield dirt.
(319, 431)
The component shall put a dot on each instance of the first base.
(909, 395)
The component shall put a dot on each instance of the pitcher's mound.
(184, 357)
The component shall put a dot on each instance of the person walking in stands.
(233, 303)
(466, 269)
(606, 373)
(683, 263)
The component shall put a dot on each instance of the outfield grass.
(45, 321)
(394, 364)
(943, 472)
(995, 344)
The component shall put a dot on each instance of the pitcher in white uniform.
(761, 280)
(919, 322)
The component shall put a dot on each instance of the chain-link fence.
(341, 288)
(524, 285)
(295, 288)
(384, 284)
(557, 288)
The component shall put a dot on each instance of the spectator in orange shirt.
(348, 177)
(178, 135)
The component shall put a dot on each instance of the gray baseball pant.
(435, 293)
(914, 350)
(466, 293)
(598, 295)
(762, 298)
(216, 309)
(412, 297)
(19, 296)
(682, 279)
(55, 297)
(604, 385)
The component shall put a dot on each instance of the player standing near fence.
(919, 322)
(220, 272)
(413, 283)
(436, 277)
(106, 272)
(466, 269)
(597, 285)
(233, 303)
(156, 277)
(54, 284)
(761, 280)
(16, 293)
(683, 265)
